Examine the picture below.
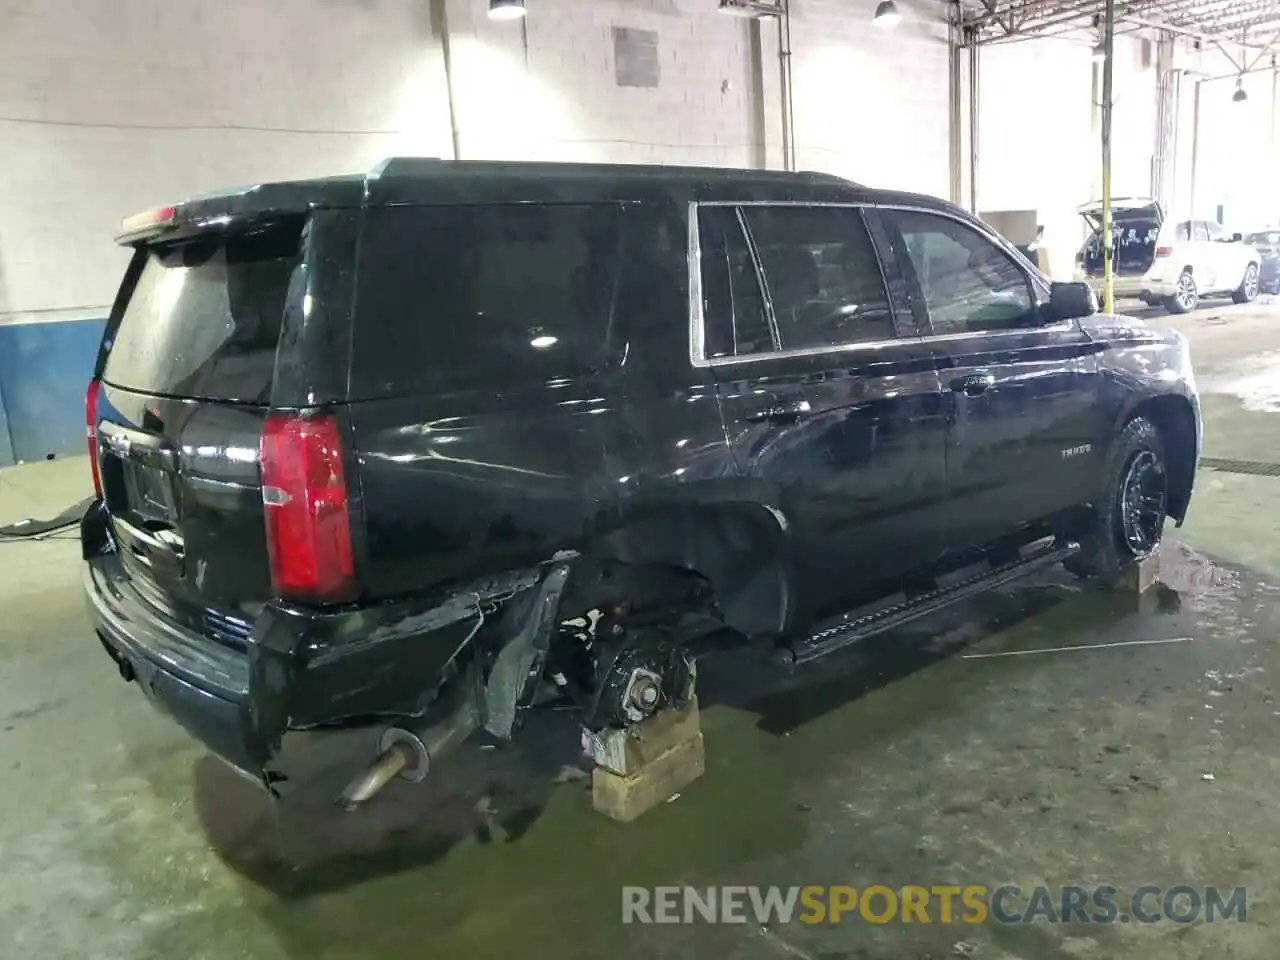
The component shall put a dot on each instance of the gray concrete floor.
(903, 763)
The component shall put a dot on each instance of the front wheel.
(1247, 292)
(1128, 522)
(1187, 297)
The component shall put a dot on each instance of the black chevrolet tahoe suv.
(431, 447)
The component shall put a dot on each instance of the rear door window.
(204, 318)
(485, 296)
(737, 323)
(822, 275)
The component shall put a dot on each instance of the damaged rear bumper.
(298, 669)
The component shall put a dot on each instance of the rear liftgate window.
(470, 296)
(205, 317)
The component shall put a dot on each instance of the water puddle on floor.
(1255, 382)
(1193, 575)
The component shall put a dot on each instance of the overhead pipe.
(1164, 155)
(440, 18)
(1275, 89)
(973, 127)
(1108, 71)
(955, 108)
(788, 100)
(1195, 147)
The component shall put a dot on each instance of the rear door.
(486, 353)
(1229, 257)
(184, 379)
(1204, 257)
(1024, 425)
(832, 409)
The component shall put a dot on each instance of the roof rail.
(388, 164)
(829, 176)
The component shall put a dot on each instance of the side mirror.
(1070, 301)
(1237, 238)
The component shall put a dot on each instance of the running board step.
(846, 631)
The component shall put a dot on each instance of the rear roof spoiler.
(149, 222)
(214, 211)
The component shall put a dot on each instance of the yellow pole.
(1108, 46)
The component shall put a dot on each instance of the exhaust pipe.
(407, 754)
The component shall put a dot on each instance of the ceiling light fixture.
(506, 9)
(1240, 96)
(887, 16)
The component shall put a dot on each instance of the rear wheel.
(1187, 297)
(1247, 292)
(1128, 522)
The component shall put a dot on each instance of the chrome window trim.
(762, 281)
(697, 317)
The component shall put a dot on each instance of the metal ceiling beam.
(1220, 22)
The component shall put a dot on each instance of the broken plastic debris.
(1206, 776)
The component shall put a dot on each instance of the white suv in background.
(1165, 262)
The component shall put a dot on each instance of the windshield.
(1268, 238)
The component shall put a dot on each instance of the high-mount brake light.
(148, 220)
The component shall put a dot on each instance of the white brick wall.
(871, 104)
(107, 108)
(111, 107)
(567, 106)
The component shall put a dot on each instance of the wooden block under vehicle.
(626, 798)
(1140, 576)
(629, 750)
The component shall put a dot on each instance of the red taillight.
(304, 497)
(1162, 252)
(91, 432)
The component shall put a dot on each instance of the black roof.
(420, 180)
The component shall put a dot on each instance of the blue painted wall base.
(6, 446)
(44, 369)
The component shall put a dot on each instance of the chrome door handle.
(974, 385)
(779, 412)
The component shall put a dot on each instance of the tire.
(1137, 476)
(1247, 292)
(1188, 296)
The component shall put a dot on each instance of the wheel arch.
(1175, 417)
(743, 549)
